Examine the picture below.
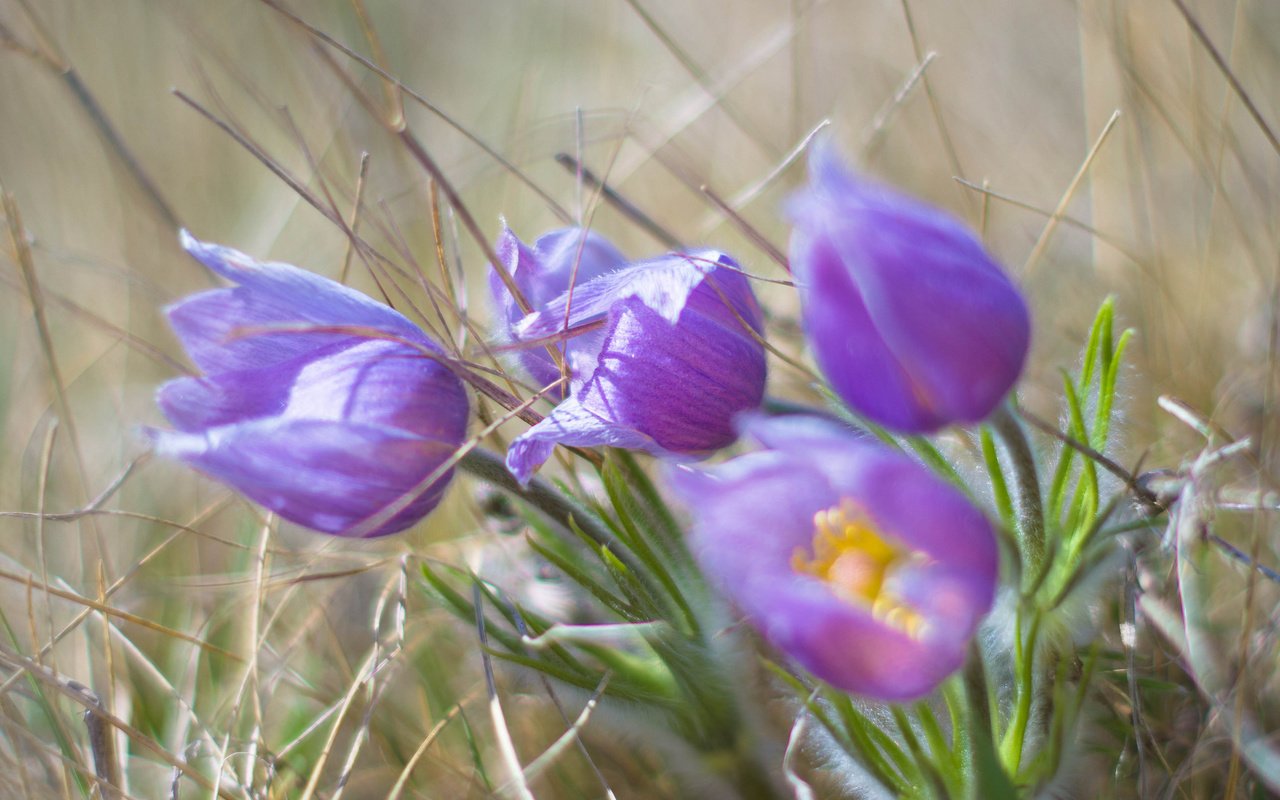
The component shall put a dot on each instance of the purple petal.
(754, 512)
(370, 381)
(656, 387)
(849, 349)
(678, 359)
(663, 284)
(382, 383)
(573, 255)
(854, 652)
(569, 424)
(522, 265)
(956, 324)
(210, 324)
(329, 476)
(748, 527)
(913, 323)
(194, 404)
(330, 430)
(544, 271)
(921, 510)
(558, 258)
(679, 385)
(795, 432)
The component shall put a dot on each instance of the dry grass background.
(229, 644)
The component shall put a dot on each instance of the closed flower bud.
(543, 273)
(664, 354)
(337, 431)
(853, 560)
(912, 322)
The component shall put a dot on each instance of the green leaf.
(1085, 502)
(999, 487)
(878, 748)
(580, 577)
(651, 507)
(624, 509)
(991, 782)
(1102, 321)
(1107, 393)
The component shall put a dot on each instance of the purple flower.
(669, 355)
(912, 322)
(543, 273)
(336, 431)
(854, 560)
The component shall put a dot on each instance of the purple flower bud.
(543, 273)
(336, 431)
(854, 560)
(912, 322)
(670, 356)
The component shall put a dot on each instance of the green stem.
(490, 468)
(1025, 657)
(1031, 525)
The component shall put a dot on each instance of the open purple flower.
(664, 353)
(336, 431)
(913, 323)
(543, 273)
(854, 560)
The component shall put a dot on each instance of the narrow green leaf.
(1107, 392)
(1085, 500)
(999, 487)
(932, 778)
(940, 753)
(1102, 321)
(636, 591)
(622, 501)
(473, 745)
(658, 516)
(463, 608)
(579, 576)
(878, 748)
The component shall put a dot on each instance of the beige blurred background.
(1175, 214)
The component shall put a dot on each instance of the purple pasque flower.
(857, 562)
(911, 320)
(544, 272)
(670, 354)
(334, 430)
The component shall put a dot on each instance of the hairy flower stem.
(1030, 506)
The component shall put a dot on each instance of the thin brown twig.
(35, 294)
(118, 613)
(328, 40)
(767, 247)
(953, 155)
(353, 223)
(77, 693)
(1229, 74)
(1130, 480)
(622, 204)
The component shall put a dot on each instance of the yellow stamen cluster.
(854, 559)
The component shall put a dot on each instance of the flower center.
(856, 560)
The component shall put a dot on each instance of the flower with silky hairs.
(911, 320)
(663, 354)
(852, 559)
(336, 430)
(543, 272)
